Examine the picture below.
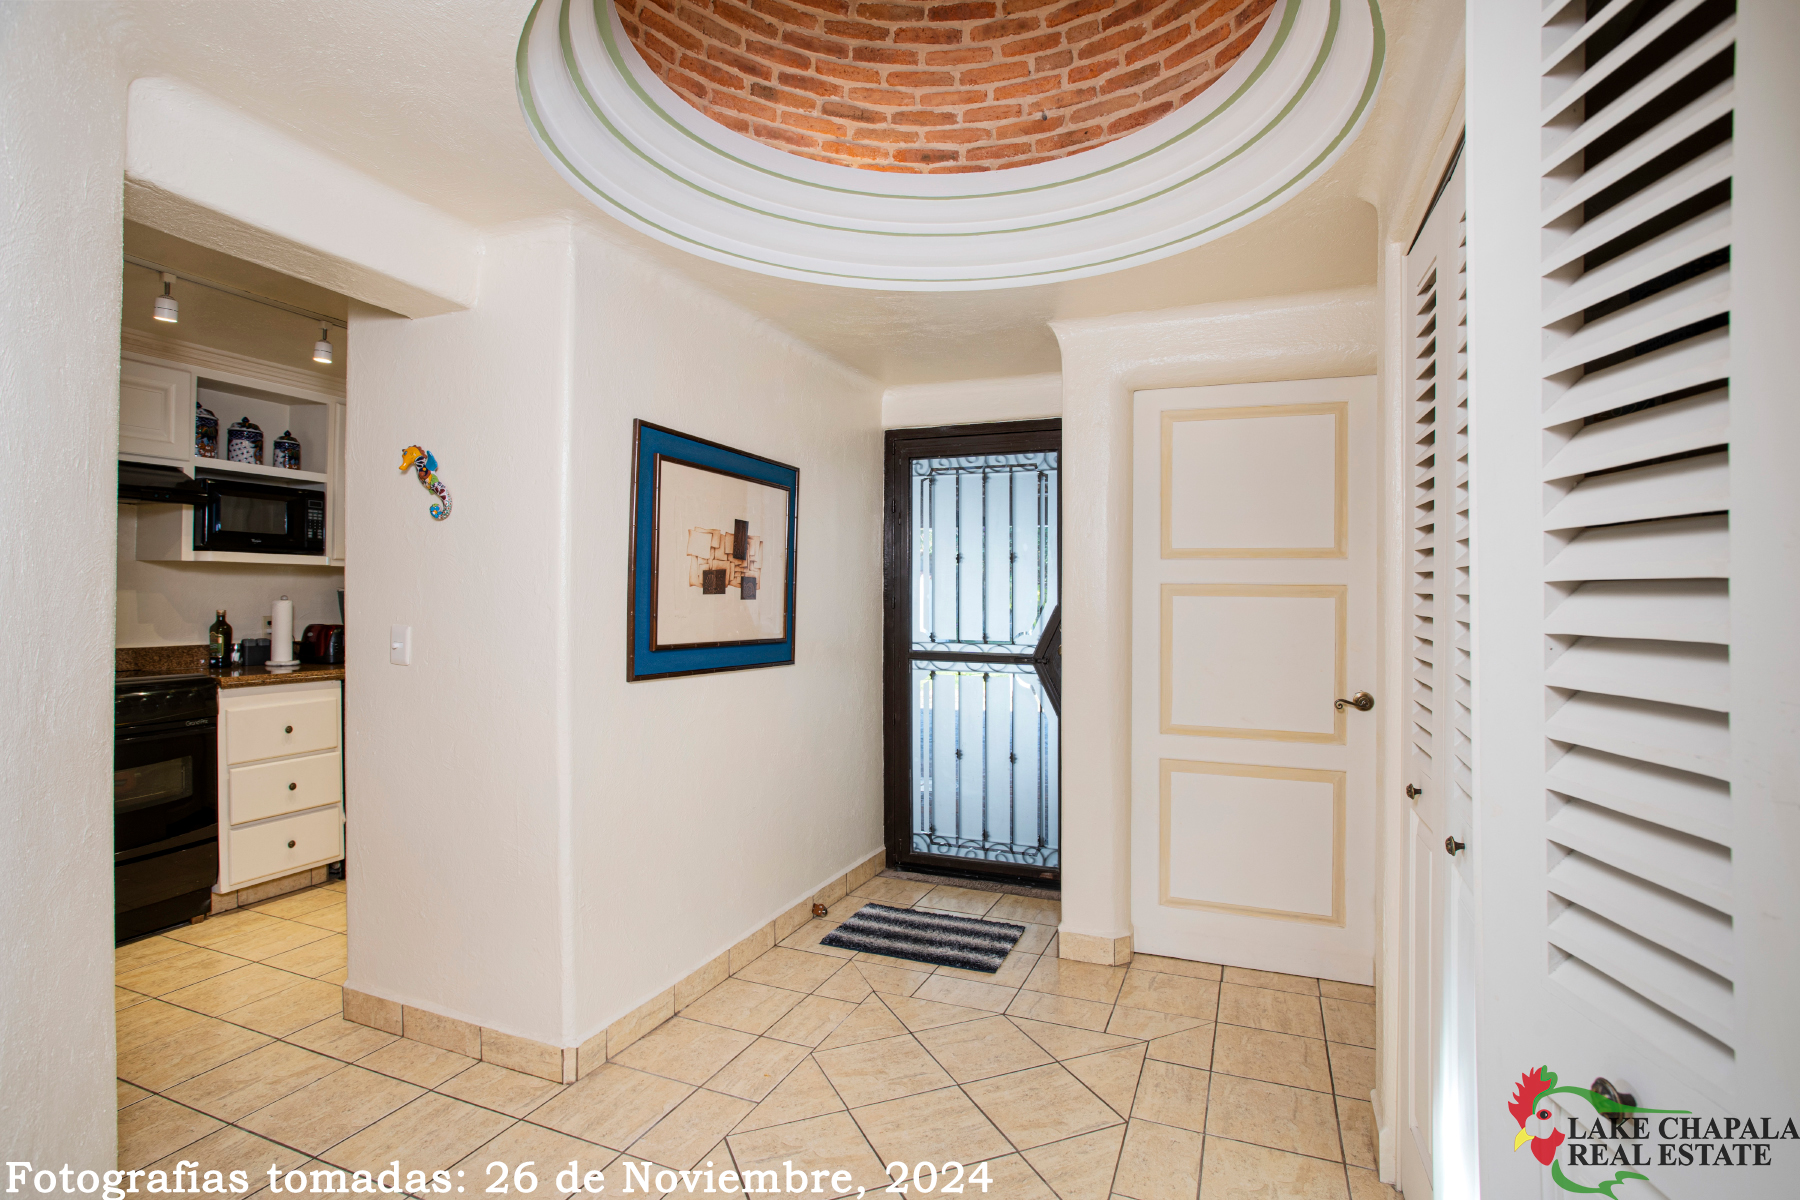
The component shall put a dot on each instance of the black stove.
(165, 799)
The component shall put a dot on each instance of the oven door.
(254, 519)
(165, 827)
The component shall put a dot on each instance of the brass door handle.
(1451, 846)
(1412, 793)
(1361, 702)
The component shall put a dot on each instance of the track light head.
(322, 347)
(166, 307)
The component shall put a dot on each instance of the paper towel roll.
(281, 633)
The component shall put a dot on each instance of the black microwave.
(259, 518)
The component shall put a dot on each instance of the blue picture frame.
(644, 661)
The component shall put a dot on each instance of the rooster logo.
(1537, 1125)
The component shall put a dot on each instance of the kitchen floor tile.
(155, 1127)
(1026, 909)
(805, 1093)
(123, 999)
(142, 953)
(691, 1129)
(1283, 1058)
(1366, 1185)
(964, 901)
(493, 1086)
(1112, 1075)
(1060, 1010)
(975, 1050)
(1279, 1012)
(315, 959)
(753, 1074)
(232, 1149)
(1014, 970)
(1176, 995)
(1267, 1114)
(1298, 984)
(895, 893)
(335, 917)
(294, 903)
(1011, 1177)
(339, 1038)
(1352, 1070)
(1171, 1094)
(794, 970)
(416, 1063)
(1045, 1104)
(871, 1022)
(830, 1143)
(872, 1072)
(689, 1051)
(129, 1093)
(257, 1079)
(233, 989)
(1036, 940)
(525, 1142)
(812, 1020)
(305, 1003)
(1361, 993)
(1080, 1168)
(918, 1014)
(322, 1114)
(432, 1133)
(806, 939)
(1349, 1022)
(742, 1005)
(1356, 1124)
(1190, 1047)
(848, 984)
(615, 1106)
(938, 1127)
(1144, 1025)
(889, 981)
(1236, 1171)
(1065, 1041)
(1159, 1162)
(266, 941)
(1082, 981)
(222, 927)
(966, 993)
(162, 1064)
(150, 1022)
(185, 967)
(1157, 964)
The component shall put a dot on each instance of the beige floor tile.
(1144, 1025)
(1045, 1104)
(335, 917)
(1361, 993)
(262, 943)
(306, 1003)
(1010, 1177)
(966, 992)
(154, 1127)
(1079, 980)
(222, 927)
(552, 1152)
(1235, 1171)
(1283, 1058)
(151, 1021)
(895, 961)
(614, 1106)
(339, 976)
(794, 970)
(1160, 965)
(231, 1149)
(162, 1064)
(982, 1049)
(432, 1133)
(1267, 1114)
(753, 1074)
(1349, 1022)
(1191, 1047)
(233, 989)
(742, 1005)
(1065, 1041)
(315, 959)
(184, 968)
(1080, 1168)
(1280, 1012)
(812, 1020)
(322, 1114)
(493, 1086)
(1356, 1123)
(804, 1094)
(340, 1038)
(254, 1081)
(123, 999)
(872, 1072)
(416, 1062)
(895, 893)
(918, 1014)
(138, 954)
(1060, 1010)
(941, 1126)
(1366, 1185)
(889, 981)
(829, 1143)
(1024, 909)
(1112, 1075)
(872, 1021)
(1352, 1070)
(693, 1128)
(1159, 1162)
(690, 1051)
(1176, 995)
(1015, 968)
(806, 939)
(1036, 940)
(848, 984)
(965, 901)
(1171, 1094)
(1273, 980)
(129, 1093)
(294, 903)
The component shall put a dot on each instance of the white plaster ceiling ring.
(1288, 107)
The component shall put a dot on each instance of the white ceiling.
(421, 96)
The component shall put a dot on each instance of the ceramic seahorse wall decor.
(420, 460)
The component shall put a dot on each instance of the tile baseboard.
(566, 1064)
(1090, 948)
(268, 889)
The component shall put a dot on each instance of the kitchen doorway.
(972, 650)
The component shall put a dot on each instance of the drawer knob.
(290, 844)
(290, 729)
(292, 786)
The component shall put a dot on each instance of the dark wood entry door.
(972, 685)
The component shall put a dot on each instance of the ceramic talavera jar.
(286, 451)
(244, 442)
(206, 432)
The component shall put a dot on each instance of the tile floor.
(1167, 1080)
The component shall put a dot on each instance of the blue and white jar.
(206, 432)
(244, 443)
(287, 451)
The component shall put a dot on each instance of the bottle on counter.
(218, 643)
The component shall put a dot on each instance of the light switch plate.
(400, 645)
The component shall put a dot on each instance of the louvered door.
(1601, 283)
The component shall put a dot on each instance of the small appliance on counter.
(253, 652)
(322, 644)
(165, 800)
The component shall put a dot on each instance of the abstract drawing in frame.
(713, 533)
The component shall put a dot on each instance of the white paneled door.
(1253, 614)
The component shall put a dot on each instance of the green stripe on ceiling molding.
(1002, 277)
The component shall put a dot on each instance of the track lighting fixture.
(166, 307)
(322, 347)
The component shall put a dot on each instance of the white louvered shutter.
(1603, 383)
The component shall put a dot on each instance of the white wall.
(1011, 398)
(1317, 336)
(539, 846)
(61, 156)
(173, 604)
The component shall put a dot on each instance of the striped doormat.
(947, 941)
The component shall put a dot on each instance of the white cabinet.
(281, 787)
(334, 489)
(156, 411)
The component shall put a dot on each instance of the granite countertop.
(243, 677)
(169, 660)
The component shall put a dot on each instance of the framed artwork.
(713, 534)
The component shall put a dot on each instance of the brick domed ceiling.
(977, 85)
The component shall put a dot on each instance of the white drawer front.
(295, 724)
(286, 844)
(284, 785)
